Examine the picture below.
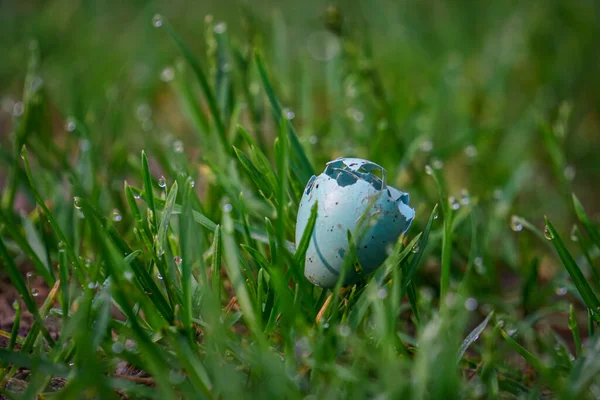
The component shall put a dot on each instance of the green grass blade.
(19, 283)
(53, 222)
(165, 219)
(300, 254)
(148, 191)
(217, 251)
(472, 337)
(204, 85)
(301, 165)
(585, 221)
(586, 292)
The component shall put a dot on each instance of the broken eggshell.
(347, 190)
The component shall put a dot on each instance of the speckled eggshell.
(343, 191)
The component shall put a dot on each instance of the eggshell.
(351, 196)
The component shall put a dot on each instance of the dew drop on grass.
(313, 139)
(573, 235)
(35, 292)
(15, 304)
(344, 330)
(569, 172)
(178, 146)
(128, 275)
(471, 304)
(428, 170)
(177, 260)
(547, 234)
(382, 293)
(426, 145)
(465, 199)
(220, 28)
(116, 215)
(471, 151)
(515, 224)
(118, 347)
(143, 112)
(355, 114)
(479, 266)
(167, 74)
(227, 207)
(137, 196)
(454, 204)
(162, 182)
(192, 183)
(416, 247)
(70, 124)
(159, 276)
(436, 163)
(289, 114)
(18, 109)
(157, 20)
(561, 290)
(77, 202)
(30, 275)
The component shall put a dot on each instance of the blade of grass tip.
(19, 283)
(137, 215)
(585, 221)
(590, 299)
(574, 328)
(189, 255)
(149, 194)
(260, 179)
(204, 85)
(416, 259)
(163, 226)
(302, 168)
(472, 337)
(282, 162)
(53, 223)
(14, 334)
(217, 251)
(300, 255)
(533, 360)
(447, 235)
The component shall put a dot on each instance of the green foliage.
(183, 266)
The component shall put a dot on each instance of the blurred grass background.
(501, 98)
(460, 74)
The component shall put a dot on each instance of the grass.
(168, 260)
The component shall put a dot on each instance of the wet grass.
(169, 256)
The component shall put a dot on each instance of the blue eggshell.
(348, 189)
